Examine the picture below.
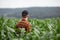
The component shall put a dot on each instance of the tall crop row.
(42, 29)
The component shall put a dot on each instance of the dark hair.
(24, 13)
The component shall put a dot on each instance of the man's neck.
(25, 19)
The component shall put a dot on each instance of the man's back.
(24, 24)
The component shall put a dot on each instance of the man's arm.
(29, 28)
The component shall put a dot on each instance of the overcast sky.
(29, 3)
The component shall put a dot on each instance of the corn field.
(42, 29)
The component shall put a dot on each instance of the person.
(24, 23)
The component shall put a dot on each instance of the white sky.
(29, 3)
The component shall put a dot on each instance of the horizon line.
(26, 7)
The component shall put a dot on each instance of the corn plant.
(42, 29)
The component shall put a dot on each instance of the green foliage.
(42, 29)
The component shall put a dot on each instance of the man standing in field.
(24, 23)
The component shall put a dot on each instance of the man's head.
(25, 14)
